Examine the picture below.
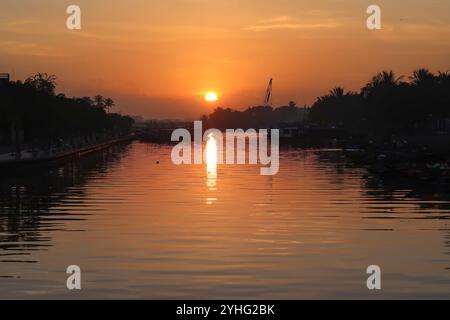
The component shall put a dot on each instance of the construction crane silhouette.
(268, 97)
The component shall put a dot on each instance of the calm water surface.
(142, 229)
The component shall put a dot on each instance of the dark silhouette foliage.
(42, 117)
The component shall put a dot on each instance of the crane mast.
(268, 96)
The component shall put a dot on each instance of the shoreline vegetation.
(36, 124)
(388, 110)
(393, 123)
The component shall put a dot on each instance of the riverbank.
(10, 161)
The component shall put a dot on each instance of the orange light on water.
(211, 166)
(211, 154)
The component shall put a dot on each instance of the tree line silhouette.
(387, 105)
(31, 112)
(254, 117)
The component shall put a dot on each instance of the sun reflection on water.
(211, 166)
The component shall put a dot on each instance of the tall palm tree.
(109, 103)
(422, 77)
(444, 77)
(384, 79)
(337, 92)
(99, 101)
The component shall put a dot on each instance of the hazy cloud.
(28, 49)
(288, 23)
(19, 25)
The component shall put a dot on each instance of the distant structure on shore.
(4, 78)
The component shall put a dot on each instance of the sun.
(211, 97)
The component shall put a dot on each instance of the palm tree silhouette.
(381, 82)
(109, 103)
(422, 77)
(99, 101)
(337, 92)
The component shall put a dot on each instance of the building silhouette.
(4, 78)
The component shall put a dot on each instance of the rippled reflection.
(143, 227)
(34, 200)
(211, 165)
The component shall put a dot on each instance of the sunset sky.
(158, 58)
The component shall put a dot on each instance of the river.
(139, 226)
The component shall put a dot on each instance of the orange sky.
(156, 58)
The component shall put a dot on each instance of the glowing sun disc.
(211, 96)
